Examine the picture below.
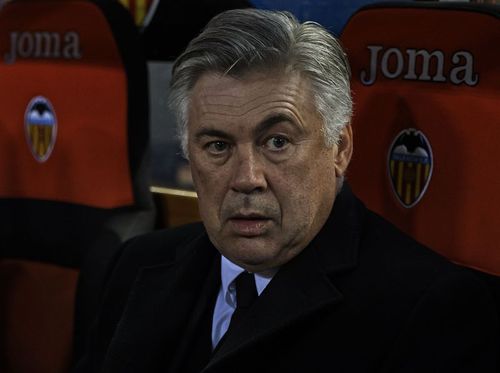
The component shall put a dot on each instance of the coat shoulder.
(162, 247)
(408, 275)
(159, 247)
(399, 250)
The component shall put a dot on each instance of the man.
(289, 271)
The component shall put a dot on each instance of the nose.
(249, 172)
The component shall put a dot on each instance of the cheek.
(306, 189)
(294, 192)
(204, 174)
(210, 186)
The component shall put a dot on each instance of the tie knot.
(246, 291)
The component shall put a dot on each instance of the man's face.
(265, 179)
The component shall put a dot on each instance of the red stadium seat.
(426, 85)
(73, 169)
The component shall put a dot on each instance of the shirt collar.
(229, 271)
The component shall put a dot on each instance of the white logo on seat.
(420, 65)
(43, 44)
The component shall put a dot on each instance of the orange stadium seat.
(426, 85)
(74, 184)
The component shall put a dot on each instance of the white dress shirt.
(226, 299)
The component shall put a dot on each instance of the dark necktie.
(246, 294)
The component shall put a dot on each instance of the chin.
(253, 259)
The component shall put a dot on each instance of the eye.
(217, 147)
(277, 143)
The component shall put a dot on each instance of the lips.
(250, 224)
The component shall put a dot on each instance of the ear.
(344, 151)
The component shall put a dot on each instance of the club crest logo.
(410, 164)
(142, 10)
(40, 125)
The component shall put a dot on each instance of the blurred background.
(169, 169)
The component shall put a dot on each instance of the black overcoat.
(362, 297)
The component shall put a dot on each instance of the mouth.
(249, 225)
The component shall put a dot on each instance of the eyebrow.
(212, 133)
(262, 127)
(270, 122)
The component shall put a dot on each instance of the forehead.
(217, 97)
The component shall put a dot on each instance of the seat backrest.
(74, 166)
(426, 85)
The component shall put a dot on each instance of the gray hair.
(240, 41)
